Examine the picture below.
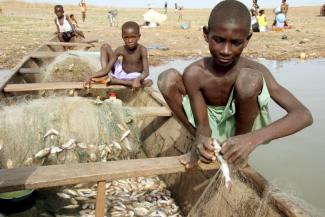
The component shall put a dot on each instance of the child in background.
(262, 23)
(65, 29)
(74, 21)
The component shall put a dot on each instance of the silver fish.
(42, 153)
(50, 133)
(63, 195)
(69, 144)
(55, 150)
(223, 164)
(125, 135)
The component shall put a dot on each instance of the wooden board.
(29, 71)
(68, 44)
(45, 54)
(56, 86)
(5, 75)
(152, 111)
(60, 175)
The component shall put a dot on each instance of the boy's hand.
(236, 149)
(136, 84)
(205, 149)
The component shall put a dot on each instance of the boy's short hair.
(262, 11)
(56, 7)
(230, 11)
(131, 25)
(71, 15)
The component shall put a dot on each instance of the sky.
(185, 3)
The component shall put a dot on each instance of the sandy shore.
(23, 27)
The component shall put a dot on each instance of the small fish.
(125, 135)
(73, 201)
(116, 145)
(82, 145)
(71, 207)
(70, 144)
(81, 198)
(55, 150)
(42, 153)
(158, 213)
(28, 161)
(63, 195)
(223, 164)
(10, 164)
(51, 132)
(121, 127)
(70, 191)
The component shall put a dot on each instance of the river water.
(296, 163)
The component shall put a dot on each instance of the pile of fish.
(126, 197)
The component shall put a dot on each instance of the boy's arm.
(203, 141)
(57, 27)
(144, 55)
(237, 149)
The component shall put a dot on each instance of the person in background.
(74, 21)
(65, 29)
(254, 22)
(112, 17)
(166, 7)
(284, 8)
(83, 9)
(255, 7)
(262, 23)
(180, 13)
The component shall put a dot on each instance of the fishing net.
(60, 130)
(72, 66)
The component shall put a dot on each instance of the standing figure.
(262, 23)
(112, 17)
(83, 9)
(284, 8)
(166, 6)
(180, 12)
(255, 7)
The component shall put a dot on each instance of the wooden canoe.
(198, 192)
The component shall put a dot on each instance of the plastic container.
(113, 99)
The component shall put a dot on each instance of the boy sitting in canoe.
(226, 96)
(65, 29)
(134, 70)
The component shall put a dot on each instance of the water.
(296, 163)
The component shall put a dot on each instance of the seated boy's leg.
(248, 86)
(105, 52)
(171, 86)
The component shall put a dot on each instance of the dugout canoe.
(199, 192)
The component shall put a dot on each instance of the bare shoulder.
(119, 50)
(142, 47)
(194, 71)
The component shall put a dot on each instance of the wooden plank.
(69, 44)
(45, 54)
(56, 86)
(29, 71)
(60, 175)
(100, 199)
(5, 75)
(159, 111)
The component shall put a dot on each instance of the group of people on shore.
(259, 21)
(223, 96)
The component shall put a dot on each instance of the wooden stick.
(56, 86)
(70, 174)
(100, 199)
(69, 44)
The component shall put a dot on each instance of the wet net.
(72, 66)
(61, 130)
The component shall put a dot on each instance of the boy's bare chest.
(216, 91)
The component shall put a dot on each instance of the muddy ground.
(23, 27)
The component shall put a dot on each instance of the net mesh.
(60, 130)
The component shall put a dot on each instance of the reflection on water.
(295, 163)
